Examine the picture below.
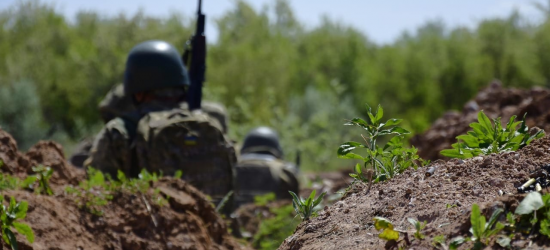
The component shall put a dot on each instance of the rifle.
(194, 58)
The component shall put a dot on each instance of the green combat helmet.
(262, 139)
(154, 65)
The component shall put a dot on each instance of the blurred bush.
(267, 68)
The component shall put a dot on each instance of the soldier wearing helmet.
(261, 168)
(155, 79)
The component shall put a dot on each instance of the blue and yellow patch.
(190, 140)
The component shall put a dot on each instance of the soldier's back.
(259, 174)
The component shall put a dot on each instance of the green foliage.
(20, 114)
(487, 138)
(273, 231)
(262, 200)
(482, 230)
(305, 208)
(388, 232)
(438, 241)
(418, 226)
(9, 216)
(534, 214)
(43, 175)
(297, 79)
(387, 161)
(96, 191)
(91, 194)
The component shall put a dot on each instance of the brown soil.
(495, 101)
(188, 221)
(348, 224)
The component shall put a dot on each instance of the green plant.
(418, 226)
(305, 207)
(386, 161)
(487, 138)
(274, 230)
(263, 200)
(534, 212)
(439, 241)
(93, 193)
(43, 175)
(8, 216)
(388, 233)
(482, 230)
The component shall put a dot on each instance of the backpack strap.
(130, 124)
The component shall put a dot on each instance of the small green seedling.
(439, 241)
(487, 138)
(385, 161)
(482, 230)
(305, 207)
(418, 226)
(388, 233)
(43, 175)
(450, 206)
(8, 216)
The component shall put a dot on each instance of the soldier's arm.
(110, 149)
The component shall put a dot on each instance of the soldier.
(116, 104)
(261, 168)
(161, 134)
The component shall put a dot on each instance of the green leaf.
(379, 113)
(413, 222)
(477, 221)
(531, 202)
(121, 176)
(382, 223)
(452, 153)
(319, 199)
(545, 227)
(511, 218)
(27, 183)
(21, 211)
(503, 241)
(469, 140)
(389, 234)
(494, 218)
(358, 169)
(399, 131)
(178, 174)
(344, 151)
(392, 122)
(12, 241)
(456, 242)
(486, 123)
(25, 230)
(96, 178)
(359, 122)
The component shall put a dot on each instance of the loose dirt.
(443, 200)
(187, 221)
(495, 101)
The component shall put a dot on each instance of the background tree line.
(266, 67)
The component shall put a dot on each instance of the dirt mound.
(129, 220)
(13, 162)
(50, 154)
(495, 101)
(443, 199)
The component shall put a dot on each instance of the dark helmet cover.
(262, 139)
(153, 65)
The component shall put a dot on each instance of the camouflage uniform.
(117, 104)
(161, 134)
(261, 169)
